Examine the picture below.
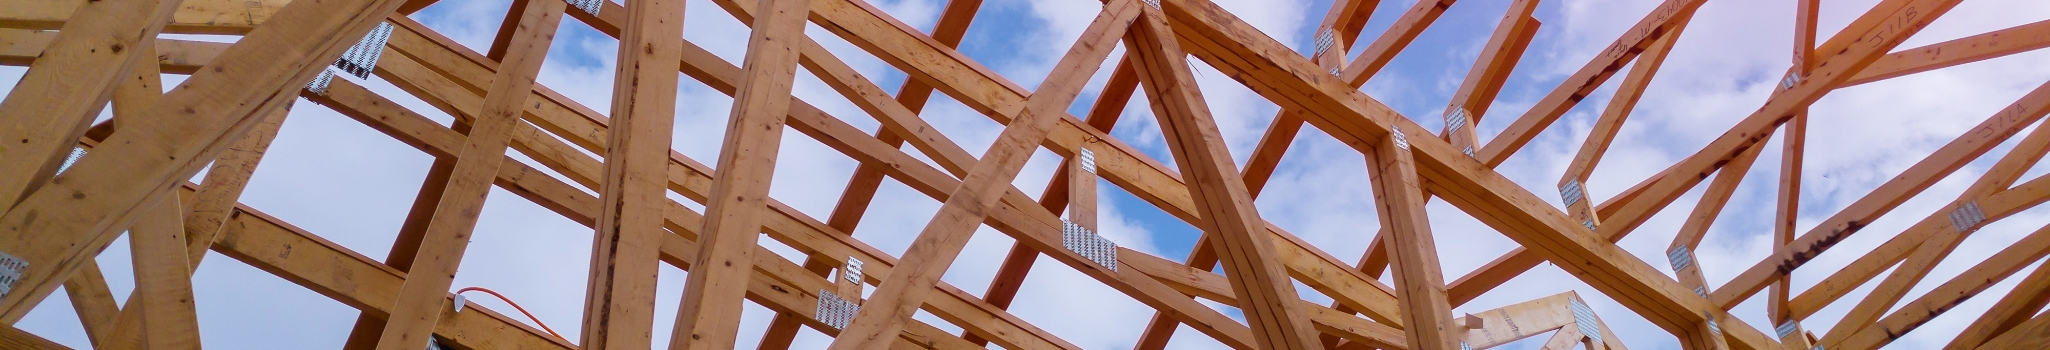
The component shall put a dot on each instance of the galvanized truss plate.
(834, 311)
(1967, 217)
(1090, 245)
(320, 82)
(361, 59)
(853, 270)
(11, 270)
(1681, 258)
(1584, 317)
(1454, 119)
(1325, 40)
(1571, 193)
(589, 6)
(1401, 141)
(1087, 159)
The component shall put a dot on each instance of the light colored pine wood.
(2013, 309)
(619, 299)
(1412, 251)
(225, 17)
(1945, 160)
(92, 301)
(104, 192)
(163, 277)
(57, 99)
(942, 239)
(1234, 226)
(422, 298)
(754, 131)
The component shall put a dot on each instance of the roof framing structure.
(70, 185)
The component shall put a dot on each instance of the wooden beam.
(1399, 199)
(619, 299)
(1350, 116)
(862, 185)
(1490, 71)
(1605, 128)
(1521, 259)
(14, 338)
(1713, 200)
(1234, 226)
(268, 244)
(693, 180)
(711, 300)
(1064, 192)
(2017, 39)
(2023, 301)
(163, 278)
(92, 301)
(420, 301)
(211, 206)
(931, 254)
(1958, 289)
(221, 17)
(1952, 156)
(985, 91)
(102, 193)
(57, 99)
(1343, 23)
(1930, 251)
(2034, 334)
(1995, 207)
(1664, 19)
(779, 285)
(1793, 147)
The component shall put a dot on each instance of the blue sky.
(352, 185)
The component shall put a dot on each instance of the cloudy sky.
(352, 185)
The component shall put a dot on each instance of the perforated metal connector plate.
(1464, 346)
(1584, 317)
(1570, 193)
(11, 270)
(589, 6)
(1337, 72)
(1091, 246)
(1680, 257)
(1703, 292)
(1455, 119)
(1589, 223)
(1788, 328)
(361, 59)
(1154, 3)
(1468, 151)
(320, 82)
(852, 270)
(1325, 40)
(1401, 141)
(1087, 159)
(835, 311)
(1714, 327)
(1788, 82)
(76, 153)
(1967, 217)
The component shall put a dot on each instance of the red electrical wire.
(516, 306)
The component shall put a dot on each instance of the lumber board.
(1234, 226)
(220, 17)
(447, 234)
(619, 306)
(103, 193)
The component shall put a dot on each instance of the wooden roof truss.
(70, 186)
